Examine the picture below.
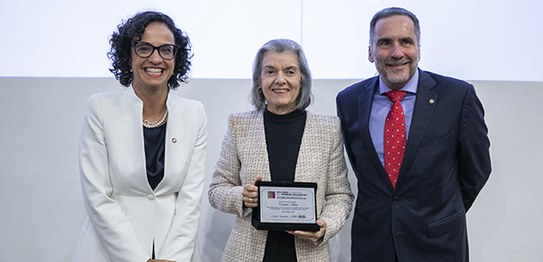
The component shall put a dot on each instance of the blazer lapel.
(424, 108)
(128, 125)
(305, 171)
(177, 143)
(261, 148)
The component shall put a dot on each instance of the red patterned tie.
(394, 140)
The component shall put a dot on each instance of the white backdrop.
(478, 40)
(42, 208)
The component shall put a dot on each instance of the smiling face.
(395, 50)
(153, 72)
(280, 79)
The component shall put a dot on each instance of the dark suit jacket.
(446, 164)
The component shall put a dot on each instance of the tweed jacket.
(244, 156)
(125, 216)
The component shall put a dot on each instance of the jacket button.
(150, 197)
(395, 199)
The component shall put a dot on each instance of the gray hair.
(392, 11)
(281, 46)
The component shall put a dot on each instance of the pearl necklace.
(150, 124)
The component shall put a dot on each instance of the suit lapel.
(424, 108)
(365, 102)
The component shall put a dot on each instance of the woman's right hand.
(250, 194)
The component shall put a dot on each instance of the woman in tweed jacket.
(281, 141)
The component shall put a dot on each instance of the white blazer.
(125, 216)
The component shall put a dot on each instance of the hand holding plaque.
(250, 194)
(313, 236)
(286, 206)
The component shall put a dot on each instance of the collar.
(410, 87)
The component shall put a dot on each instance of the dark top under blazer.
(446, 164)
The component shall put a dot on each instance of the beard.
(396, 74)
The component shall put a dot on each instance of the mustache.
(398, 62)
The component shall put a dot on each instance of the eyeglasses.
(144, 50)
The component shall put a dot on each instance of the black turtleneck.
(283, 139)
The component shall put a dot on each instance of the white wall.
(477, 40)
(40, 198)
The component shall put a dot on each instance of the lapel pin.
(431, 101)
(174, 140)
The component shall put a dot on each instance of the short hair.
(392, 11)
(132, 29)
(281, 46)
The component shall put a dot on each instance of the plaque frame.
(279, 226)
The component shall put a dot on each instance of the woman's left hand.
(314, 237)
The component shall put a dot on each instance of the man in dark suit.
(414, 186)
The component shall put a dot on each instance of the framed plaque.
(286, 206)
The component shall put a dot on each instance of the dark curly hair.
(132, 29)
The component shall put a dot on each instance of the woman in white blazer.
(281, 141)
(142, 151)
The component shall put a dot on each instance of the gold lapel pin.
(431, 101)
